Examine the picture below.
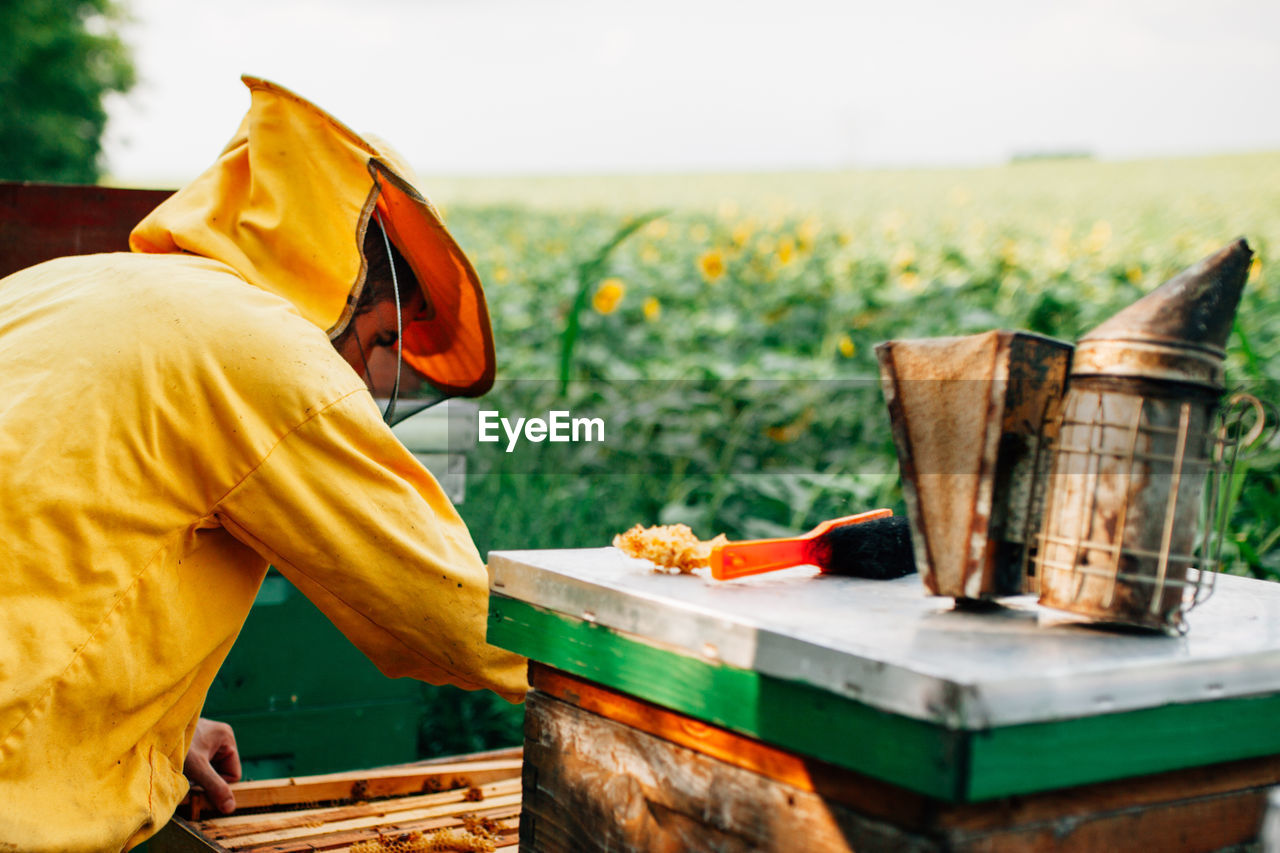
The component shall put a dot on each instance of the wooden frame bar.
(334, 811)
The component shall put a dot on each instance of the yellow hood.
(286, 205)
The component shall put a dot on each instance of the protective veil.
(174, 420)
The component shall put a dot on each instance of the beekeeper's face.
(371, 343)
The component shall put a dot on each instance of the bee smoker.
(970, 416)
(1126, 530)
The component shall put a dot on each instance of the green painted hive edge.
(792, 715)
(953, 765)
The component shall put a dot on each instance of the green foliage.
(737, 372)
(1253, 489)
(459, 722)
(60, 60)
(588, 274)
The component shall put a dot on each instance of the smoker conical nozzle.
(1176, 332)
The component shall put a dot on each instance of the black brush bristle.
(879, 549)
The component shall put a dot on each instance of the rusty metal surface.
(1142, 360)
(1121, 531)
(1123, 534)
(1177, 331)
(968, 417)
(891, 646)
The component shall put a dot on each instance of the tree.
(58, 60)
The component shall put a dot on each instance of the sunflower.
(608, 295)
(712, 265)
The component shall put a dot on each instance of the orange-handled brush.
(870, 544)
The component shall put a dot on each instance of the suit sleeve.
(344, 511)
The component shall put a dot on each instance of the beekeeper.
(174, 419)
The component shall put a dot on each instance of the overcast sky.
(561, 86)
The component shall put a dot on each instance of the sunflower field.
(724, 326)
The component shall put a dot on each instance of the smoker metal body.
(1128, 532)
(970, 416)
(1121, 540)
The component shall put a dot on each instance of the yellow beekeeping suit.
(172, 421)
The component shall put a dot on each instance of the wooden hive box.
(802, 711)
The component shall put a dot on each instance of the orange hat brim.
(452, 343)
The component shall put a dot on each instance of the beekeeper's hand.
(213, 761)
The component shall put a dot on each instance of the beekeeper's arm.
(344, 511)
